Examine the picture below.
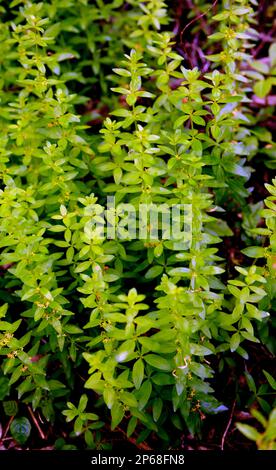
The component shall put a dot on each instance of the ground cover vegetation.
(113, 341)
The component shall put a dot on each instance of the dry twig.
(228, 426)
(41, 433)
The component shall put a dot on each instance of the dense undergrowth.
(149, 340)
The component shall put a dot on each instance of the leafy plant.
(130, 320)
(20, 429)
(264, 440)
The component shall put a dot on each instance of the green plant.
(265, 440)
(84, 422)
(130, 319)
(20, 429)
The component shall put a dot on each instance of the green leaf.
(248, 431)
(72, 329)
(235, 341)
(10, 407)
(157, 408)
(138, 373)
(128, 399)
(242, 10)
(122, 72)
(272, 54)
(180, 121)
(259, 417)
(131, 426)
(20, 429)
(254, 252)
(219, 228)
(199, 350)
(4, 387)
(221, 16)
(82, 403)
(270, 379)
(117, 174)
(144, 394)
(198, 120)
(109, 397)
(89, 439)
(266, 407)
(154, 272)
(211, 270)
(25, 386)
(250, 382)
(63, 210)
(262, 87)
(10, 327)
(3, 310)
(117, 414)
(179, 271)
(36, 398)
(158, 362)
(93, 380)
